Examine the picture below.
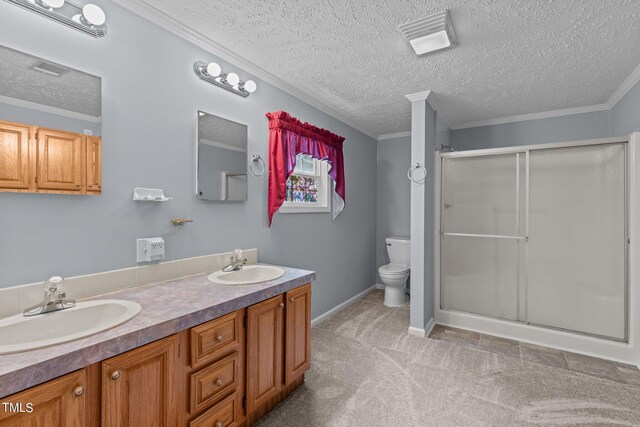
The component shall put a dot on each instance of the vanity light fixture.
(212, 73)
(431, 33)
(90, 19)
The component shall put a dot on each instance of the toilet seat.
(393, 269)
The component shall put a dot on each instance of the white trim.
(422, 332)
(379, 286)
(50, 110)
(533, 116)
(418, 96)
(151, 14)
(221, 145)
(394, 135)
(625, 87)
(327, 314)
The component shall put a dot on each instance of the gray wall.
(625, 115)
(150, 100)
(394, 193)
(13, 113)
(556, 129)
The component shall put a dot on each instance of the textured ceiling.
(223, 131)
(514, 56)
(73, 91)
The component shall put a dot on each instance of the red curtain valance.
(289, 137)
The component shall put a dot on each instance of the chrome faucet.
(53, 298)
(237, 262)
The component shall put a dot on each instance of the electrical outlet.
(150, 249)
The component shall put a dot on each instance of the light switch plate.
(150, 249)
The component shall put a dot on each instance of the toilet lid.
(394, 269)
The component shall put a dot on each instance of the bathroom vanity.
(222, 365)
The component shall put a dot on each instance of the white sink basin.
(248, 275)
(20, 333)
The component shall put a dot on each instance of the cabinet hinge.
(244, 321)
(244, 403)
(178, 350)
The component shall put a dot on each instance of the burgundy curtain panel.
(289, 137)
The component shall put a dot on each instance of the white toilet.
(395, 274)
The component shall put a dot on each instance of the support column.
(423, 132)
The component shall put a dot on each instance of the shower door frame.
(627, 351)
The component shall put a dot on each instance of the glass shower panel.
(479, 195)
(577, 239)
(480, 275)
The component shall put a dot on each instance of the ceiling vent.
(431, 33)
(49, 68)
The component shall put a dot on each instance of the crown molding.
(625, 87)
(50, 110)
(533, 116)
(394, 135)
(155, 16)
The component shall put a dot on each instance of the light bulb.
(250, 86)
(53, 3)
(93, 14)
(213, 69)
(233, 79)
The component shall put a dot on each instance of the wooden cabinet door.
(94, 163)
(264, 351)
(60, 164)
(297, 333)
(141, 388)
(14, 156)
(62, 402)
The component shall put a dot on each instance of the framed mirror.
(55, 112)
(221, 159)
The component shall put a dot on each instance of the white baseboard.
(422, 332)
(379, 286)
(327, 314)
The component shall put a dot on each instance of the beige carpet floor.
(367, 371)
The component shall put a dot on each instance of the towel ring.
(414, 167)
(260, 161)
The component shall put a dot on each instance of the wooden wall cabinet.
(297, 333)
(39, 160)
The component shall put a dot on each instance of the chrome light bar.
(89, 19)
(212, 73)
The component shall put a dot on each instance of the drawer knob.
(115, 375)
(78, 391)
(219, 382)
(281, 305)
(292, 299)
(218, 424)
(219, 338)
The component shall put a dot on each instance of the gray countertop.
(167, 308)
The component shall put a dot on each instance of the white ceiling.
(223, 131)
(74, 91)
(514, 56)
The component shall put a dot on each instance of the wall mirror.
(54, 111)
(221, 159)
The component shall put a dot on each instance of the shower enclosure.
(535, 240)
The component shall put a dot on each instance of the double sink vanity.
(218, 349)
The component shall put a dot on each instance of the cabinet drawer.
(216, 338)
(210, 384)
(224, 414)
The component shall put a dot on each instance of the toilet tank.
(399, 250)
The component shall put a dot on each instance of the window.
(308, 187)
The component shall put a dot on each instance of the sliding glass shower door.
(480, 235)
(537, 236)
